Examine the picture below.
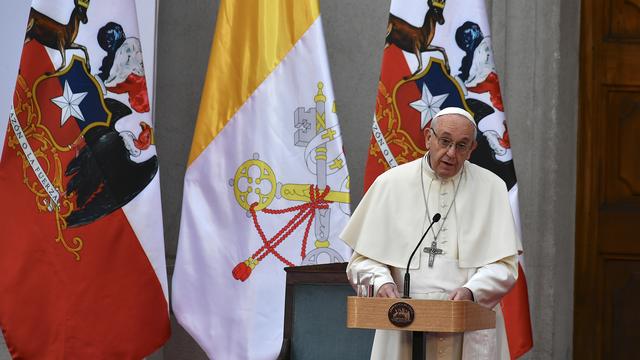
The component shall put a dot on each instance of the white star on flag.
(69, 103)
(428, 105)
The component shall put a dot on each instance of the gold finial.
(84, 3)
(320, 96)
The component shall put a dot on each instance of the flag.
(82, 271)
(438, 54)
(266, 185)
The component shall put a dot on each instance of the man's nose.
(451, 150)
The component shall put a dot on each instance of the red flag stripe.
(515, 309)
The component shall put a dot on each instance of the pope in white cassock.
(476, 235)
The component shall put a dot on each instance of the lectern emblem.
(401, 314)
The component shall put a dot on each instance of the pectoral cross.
(432, 251)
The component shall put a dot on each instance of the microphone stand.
(407, 277)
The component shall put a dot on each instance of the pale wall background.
(536, 46)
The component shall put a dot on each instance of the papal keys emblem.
(255, 186)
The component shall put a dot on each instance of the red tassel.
(241, 272)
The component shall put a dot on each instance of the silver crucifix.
(432, 251)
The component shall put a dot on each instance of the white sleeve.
(491, 282)
(359, 263)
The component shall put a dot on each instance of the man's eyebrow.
(448, 134)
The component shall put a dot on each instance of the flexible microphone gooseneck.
(407, 277)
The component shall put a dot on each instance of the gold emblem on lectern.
(401, 314)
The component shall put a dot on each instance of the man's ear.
(473, 147)
(427, 136)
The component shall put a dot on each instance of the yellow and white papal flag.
(267, 183)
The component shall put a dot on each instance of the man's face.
(457, 131)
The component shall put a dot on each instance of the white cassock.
(476, 233)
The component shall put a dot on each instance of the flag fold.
(83, 268)
(267, 184)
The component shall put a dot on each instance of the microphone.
(407, 277)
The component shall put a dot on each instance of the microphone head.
(436, 217)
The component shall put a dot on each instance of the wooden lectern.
(419, 316)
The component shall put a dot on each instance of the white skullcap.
(456, 111)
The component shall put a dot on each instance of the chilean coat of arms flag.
(82, 271)
(438, 54)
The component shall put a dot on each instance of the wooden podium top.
(429, 315)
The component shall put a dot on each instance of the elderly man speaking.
(470, 254)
